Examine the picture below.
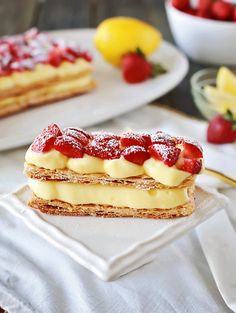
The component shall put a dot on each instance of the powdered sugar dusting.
(134, 147)
(162, 138)
(168, 154)
(106, 149)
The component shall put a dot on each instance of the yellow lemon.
(226, 81)
(119, 35)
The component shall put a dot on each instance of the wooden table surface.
(62, 14)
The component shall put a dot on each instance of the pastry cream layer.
(118, 168)
(58, 88)
(75, 193)
(42, 73)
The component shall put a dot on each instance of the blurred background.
(19, 15)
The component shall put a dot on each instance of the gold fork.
(226, 179)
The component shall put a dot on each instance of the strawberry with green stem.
(222, 129)
(136, 68)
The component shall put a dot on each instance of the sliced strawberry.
(86, 55)
(65, 55)
(79, 130)
(132, 139)
(106, 149)
(136, 154)
(54, 57)
(53, 129)
(78, 134)
(44, 142)
(192, 149)
(191, 166)
(147, 138)
(69, 146)
(163, 138)
(103, 136)
(168, 154)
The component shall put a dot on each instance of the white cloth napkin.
(36, 277)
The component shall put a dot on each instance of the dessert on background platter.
(112, 96)
(36, 69)
(72, 172)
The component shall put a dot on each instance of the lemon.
(226, 81)
(220, 101)
(119, 35)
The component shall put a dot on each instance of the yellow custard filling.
(75, 193)
(42, 73)
(60, 87)
(119, 168)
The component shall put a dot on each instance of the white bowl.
(203, 40)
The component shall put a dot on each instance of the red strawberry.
(103, 136)
(180, 4)
(54, 57)
(132, 139)
(222, 10)
(44, 142)
(192, 148)
(86, 56)
(168, 154)
(204, 14)
(53, 129)
(136, 154)
(135, 68)
(222, 129)
(78, 134)
(69, 146)
(234, 15)
(79, 130)
(65, 55)
(204, 5)
(104, 149)
(190, 11)
(147, 138)
(162, 138)
(192, 166)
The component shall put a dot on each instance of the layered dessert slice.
(36, 69)
(72, 172)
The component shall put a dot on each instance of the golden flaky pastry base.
(57, 207)
(139, 182)
(30, 100)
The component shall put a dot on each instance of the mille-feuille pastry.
(72, 172)
(36, 69)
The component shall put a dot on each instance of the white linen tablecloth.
(36, 277)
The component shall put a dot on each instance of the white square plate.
(114, 246)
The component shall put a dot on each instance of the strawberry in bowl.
(206, 32)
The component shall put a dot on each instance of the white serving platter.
(114, 246)
(111, 98)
